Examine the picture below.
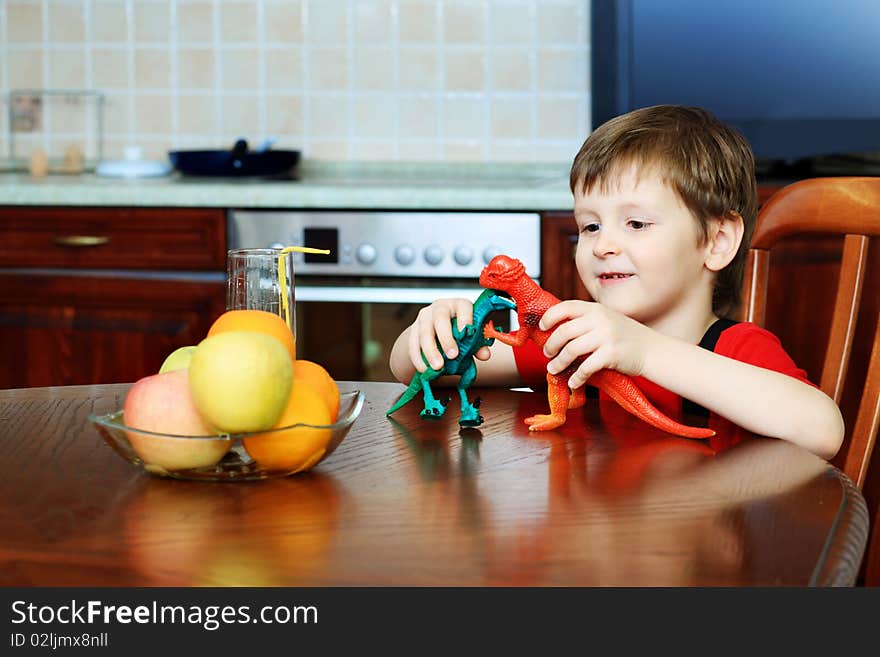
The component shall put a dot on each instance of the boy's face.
(639, 248)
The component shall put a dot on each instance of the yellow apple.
(240, 380)
(177, 359)
(162, 403)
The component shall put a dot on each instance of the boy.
(665, 201)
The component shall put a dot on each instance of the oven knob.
(434, 255)
(366, 254)
(463, 255)
(404, 254)
(490, 252)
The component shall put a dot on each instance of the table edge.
(842, 554)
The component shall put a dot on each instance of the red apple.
(162, 403)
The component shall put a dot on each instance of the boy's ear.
(725, 236)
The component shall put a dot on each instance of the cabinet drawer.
(181, 239)
(96, 328)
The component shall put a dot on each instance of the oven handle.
(421, 295)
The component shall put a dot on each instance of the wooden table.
(605, 500)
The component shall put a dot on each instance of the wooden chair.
(841, 206)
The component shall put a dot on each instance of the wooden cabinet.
(177, 239)
(102, 295)
(559, 237)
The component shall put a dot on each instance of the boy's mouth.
(613, 278)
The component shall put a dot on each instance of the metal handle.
(421, 295)
(80, 241)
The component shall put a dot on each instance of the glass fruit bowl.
(226, 457)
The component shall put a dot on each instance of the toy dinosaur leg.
(578, 398)
(470, 414)
(514, 338)
(558, 395)
(434, 407)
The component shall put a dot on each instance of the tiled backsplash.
(451, 80)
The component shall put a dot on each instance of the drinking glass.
(261, 279)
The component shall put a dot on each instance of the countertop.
(406, 186)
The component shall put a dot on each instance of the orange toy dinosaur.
(508, 275)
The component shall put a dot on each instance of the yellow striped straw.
(282, 274)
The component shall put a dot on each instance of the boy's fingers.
(554, 315)
(443, 330)
(464, 313)
(428, 345)
(483, 353)
(574, 336)
(550, 318)
(559, 338)
(433, 325)
(592, 364)
(561, 311)
(571, 351)
(415, 351)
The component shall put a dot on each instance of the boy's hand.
(433, 324)
(606, 337)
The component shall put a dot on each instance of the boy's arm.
(759, 400)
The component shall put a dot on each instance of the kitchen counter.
(407, 186)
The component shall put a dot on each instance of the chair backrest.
(842, 206)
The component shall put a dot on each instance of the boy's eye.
(637, 224)
(590, 228)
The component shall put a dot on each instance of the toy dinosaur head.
(490, 301)
(497, 302)
(502, 273)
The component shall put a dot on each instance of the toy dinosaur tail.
(622, 389)
(414, 388)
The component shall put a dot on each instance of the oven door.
(349, 326)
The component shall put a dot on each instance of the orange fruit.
(260, 321)
(298, 448)
(319, 379)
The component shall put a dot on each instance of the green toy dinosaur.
(469, 341)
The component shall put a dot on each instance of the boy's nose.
(605, 244)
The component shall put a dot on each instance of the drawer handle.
(79, 241)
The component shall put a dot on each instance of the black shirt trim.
(708, 341)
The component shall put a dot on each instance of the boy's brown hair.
(709, 165)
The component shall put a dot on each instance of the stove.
(454, 245)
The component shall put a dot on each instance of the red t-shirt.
(742, 341)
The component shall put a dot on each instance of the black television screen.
(800, 79)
